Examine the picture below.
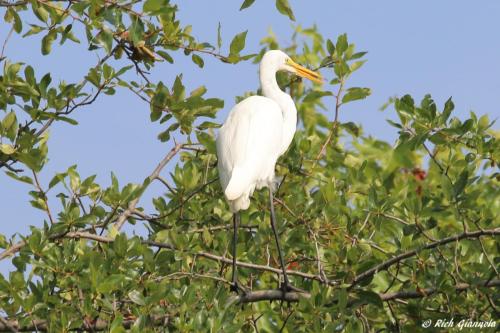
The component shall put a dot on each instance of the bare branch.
(6, 39)
(335, 124)
(44, 196)
(12, 250)
(388, 263)
(270, 295)
(131, 207)
(429, 291)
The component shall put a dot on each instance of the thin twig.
(6, 41)
(131, 207)
(44, 196)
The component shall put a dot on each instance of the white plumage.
(257, 132)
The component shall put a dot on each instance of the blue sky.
(446, 48)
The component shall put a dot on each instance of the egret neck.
(270, 89)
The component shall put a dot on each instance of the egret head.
(280, 61)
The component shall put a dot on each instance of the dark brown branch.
(10, 167)
(270, 295)
(388, 263)
(429, 291)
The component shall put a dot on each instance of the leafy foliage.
(364, 223)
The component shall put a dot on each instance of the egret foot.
(287, 288)
(235, 287)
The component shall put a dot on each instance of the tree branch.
(269, 295)
(386, 264)
(156, 172)
(429, 291)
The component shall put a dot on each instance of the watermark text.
(459, 324)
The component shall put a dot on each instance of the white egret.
(256, 133)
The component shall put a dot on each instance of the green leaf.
(107, 71)
(200, 91)
(208, 124)
(56, 179)
(284, 8)
(238, 43)
(67, 120)
(198, 60)
(9, 120)
(29, 74)
(448, 108)
(351, 128)
(35, 29)
(356, 65)
(341, 44)
(117, 325)
(178, 88)
(315, 95)
(207, 140)
(357, 55)
(41, 13)
(459, 186)
(11, 15)
(246, 4)
(165, 56)
(354, 94)
(24, 179)
(330, 46)
(219, 37)
(136, 30)
(44, 83)
(137, 297)
(370, 297)
(154, 5)
(122, 70)
(393, 123)
(65, 33)
(105, 39)
(94, 77)
(47, 41)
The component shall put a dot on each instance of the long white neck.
(270, 89)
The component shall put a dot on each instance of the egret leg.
(286, 284)
(236, 222)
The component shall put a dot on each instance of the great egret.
(256, 133)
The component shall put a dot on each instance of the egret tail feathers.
(237, 185)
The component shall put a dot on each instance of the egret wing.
(248, 144)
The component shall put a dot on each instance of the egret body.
(256, 133)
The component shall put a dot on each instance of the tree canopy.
(381, 235)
